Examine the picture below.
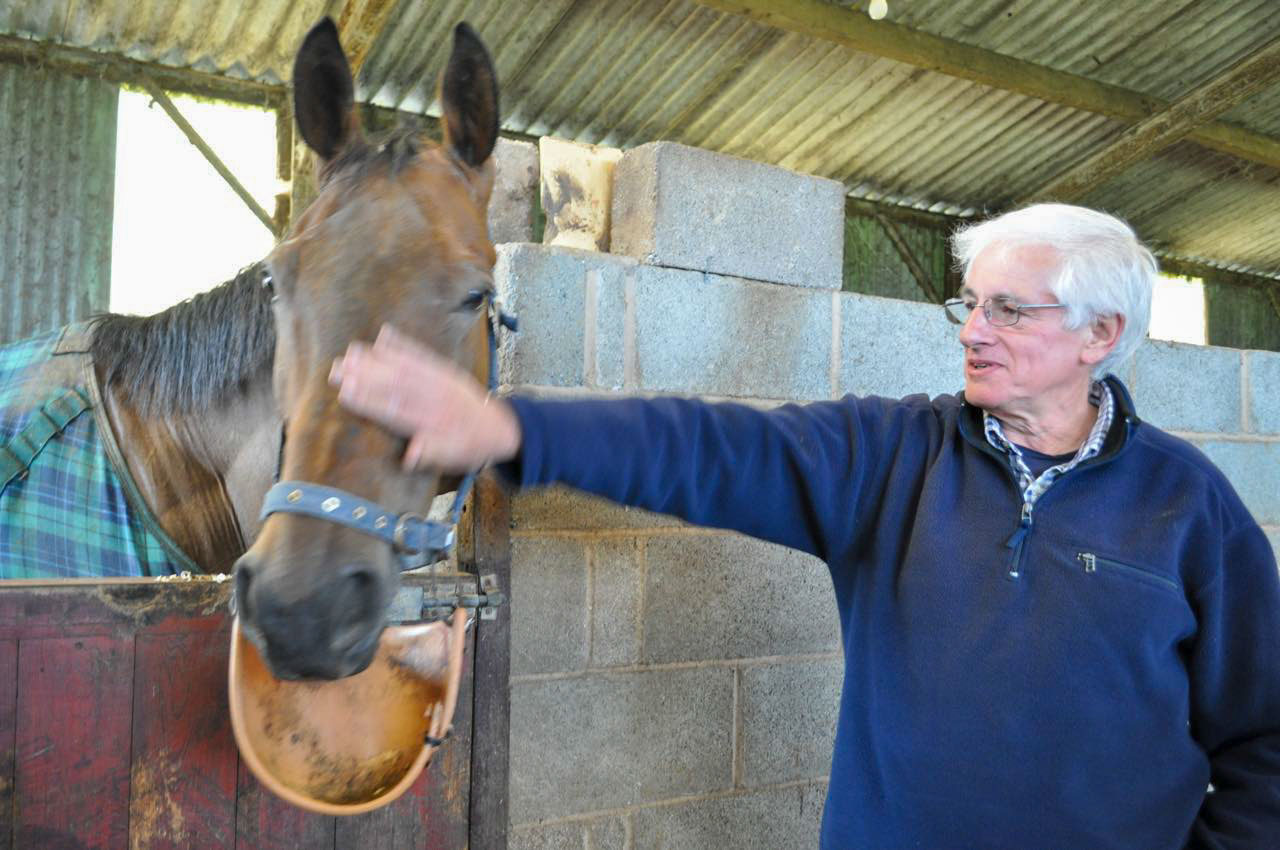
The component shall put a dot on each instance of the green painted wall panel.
(57, 178)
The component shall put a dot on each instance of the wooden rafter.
(118, 69)
(360, 22)
(933, 53)
(1198, 106)
(158, 95)
(909, 259)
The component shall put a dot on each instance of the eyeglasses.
(1000, 311)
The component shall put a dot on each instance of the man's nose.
(976, 330)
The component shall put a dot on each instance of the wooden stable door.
(117, 734)
(115, 731)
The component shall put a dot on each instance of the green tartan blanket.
(64, 512)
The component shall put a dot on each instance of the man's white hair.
(1103, 269)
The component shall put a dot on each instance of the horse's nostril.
(244, 577)
(356, 612)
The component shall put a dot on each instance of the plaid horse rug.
(67, 510)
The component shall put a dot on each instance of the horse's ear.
(469, 93)
(323, 91)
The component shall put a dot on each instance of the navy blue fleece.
(1085, 703)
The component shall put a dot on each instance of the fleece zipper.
(1017, 542)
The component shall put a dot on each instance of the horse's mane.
(194, 355)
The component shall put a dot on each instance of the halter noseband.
(418, 541)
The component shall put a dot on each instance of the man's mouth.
(982, 365)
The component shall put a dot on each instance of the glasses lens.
(1003, 311)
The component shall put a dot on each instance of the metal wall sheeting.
(57, 179)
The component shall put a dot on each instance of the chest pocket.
(1099, 567)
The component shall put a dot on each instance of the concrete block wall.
(677, 687)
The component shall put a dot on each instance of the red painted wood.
(72, 748)
(183, 792)
(118, 733)
(265, 822)
(77, 608)
(8, 730)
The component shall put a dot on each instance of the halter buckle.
(402, 528)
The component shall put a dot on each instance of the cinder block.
(1264, 391)
(774, 819)
(547, 289)
(896, 348)
(728, 596)
(1253, 468)
(548, 605)
(694, 209)
(515, 187)
(603, 834)
(563, 509)
(789, 720)
(577, 193)
(1181, 387)
(599, 742)
(698, 333)
(616, 597)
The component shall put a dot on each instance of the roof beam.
(1198, 106)
(117, 69)
(909, 259)
(360, 22)
(933, 53)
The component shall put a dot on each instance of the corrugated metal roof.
(629, 71)
(252, 40)
(55, 235)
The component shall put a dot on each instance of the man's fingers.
(392, 340)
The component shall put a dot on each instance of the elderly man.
(1061, 626)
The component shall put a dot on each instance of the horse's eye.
(267, 281)
(475, 299)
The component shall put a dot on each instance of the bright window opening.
(178, 227)
(1177, 310)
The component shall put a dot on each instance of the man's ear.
(1104, 333)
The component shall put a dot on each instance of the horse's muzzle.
(327, 633)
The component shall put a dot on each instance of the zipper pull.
(1024, 526)
(1089, 560)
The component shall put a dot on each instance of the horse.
(198, 409)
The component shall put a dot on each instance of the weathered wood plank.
(8, 731)
(360, 22)
(265, 822)
(73, 726)
(183, 789)
(491, 722)
(1205, 102)
(81, 711)
(75, 608)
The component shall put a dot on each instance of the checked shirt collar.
(1032, 487)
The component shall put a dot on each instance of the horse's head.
(396, 234)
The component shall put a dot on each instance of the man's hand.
(453, 426)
